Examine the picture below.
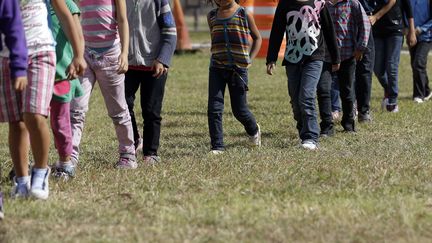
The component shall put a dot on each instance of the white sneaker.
(215, 151)
(22, 191)
(428, 97)
(40, 191)
(309, 144)
(418, 100)
(255, 140)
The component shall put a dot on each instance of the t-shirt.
(39, 38)
(64, 53)
(99, 23)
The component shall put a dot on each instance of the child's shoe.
(39, 183)
(64, 171)
(139, 146)
(127, 161)
(255, 140)
(309, 145)
(152, 159)
(216, 151)
(21, 190)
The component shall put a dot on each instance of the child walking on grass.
(230, 27)
(65, 88)
(16, 66)
(153, 41)
(106, 36)
(307, 24)
(26, 111)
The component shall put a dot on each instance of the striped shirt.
(99, 23)
(352, 26)
(230, 39)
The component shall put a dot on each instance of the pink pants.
(61, 127)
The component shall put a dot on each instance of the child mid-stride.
(230, 27)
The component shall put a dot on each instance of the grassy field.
(374, 186)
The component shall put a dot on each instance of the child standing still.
(106, 36)
(153, 38)
(12, 28)
(65, 89)
(307, 23)
(27, 111)
(230, 27)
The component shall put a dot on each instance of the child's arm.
(123, 28)
(256, 36)
(276, 36)
(378, 15)
(364, 29)
(78, 64)
(427, 26)
(168, 38)
(411, 37)
(11, 26)
(329, 34)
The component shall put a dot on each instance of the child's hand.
(159, 69)
(270, 68)
(373, 19)
(76, 68)
(20, 83)
(358, 55)
(123, 63)
(411, 38)
(335, 67)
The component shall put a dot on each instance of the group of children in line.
(127, 45)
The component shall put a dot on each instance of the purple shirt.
(11, 26)
(352, 26)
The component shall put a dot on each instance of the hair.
(212, 1)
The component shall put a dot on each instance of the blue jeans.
(387, 57)
(302, 87)
(237, 85)
(335, 101)
(363, 79)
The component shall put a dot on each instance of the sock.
(22, 183)
(38, 177)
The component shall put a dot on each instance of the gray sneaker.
(127, 161)
(364, 117)
(255, 140)
(152, 159)
(65, 172)
(20, 191)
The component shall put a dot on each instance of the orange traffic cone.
(183, 40)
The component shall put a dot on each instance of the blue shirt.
(422, 18)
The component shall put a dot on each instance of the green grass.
(374, 186)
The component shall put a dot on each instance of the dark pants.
(419, 55)
(363, 77)
(151, 92)
(302, 88)
(346, 76)
(237, 83)
(325, 99)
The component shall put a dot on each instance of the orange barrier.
(248, 4)
(183, 40)
(264, 11)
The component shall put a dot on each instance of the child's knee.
(34, 120)
(121, 118)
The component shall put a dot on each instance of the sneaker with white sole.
(20, 191)
(216, 151)
(152, 159)
(127, 161)
(428, 97)
(309, 144)
(418, 100)
(63, 171)
(255, 140)
(40, 190)
(394, 108)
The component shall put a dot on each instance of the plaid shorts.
(36, 97)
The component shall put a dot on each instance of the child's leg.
(346, 76)
(239, 105)
(336, 106)
(132, 83)
(324, 100)
(79, 107)
(113, 92)
(215, 106)
(293, 73)
(380, 66)
(393, 49)
(39, 138)
(152, 93)
(19, 147)
(61, 127)
(419, 56)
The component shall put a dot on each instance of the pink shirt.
(99, 24)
